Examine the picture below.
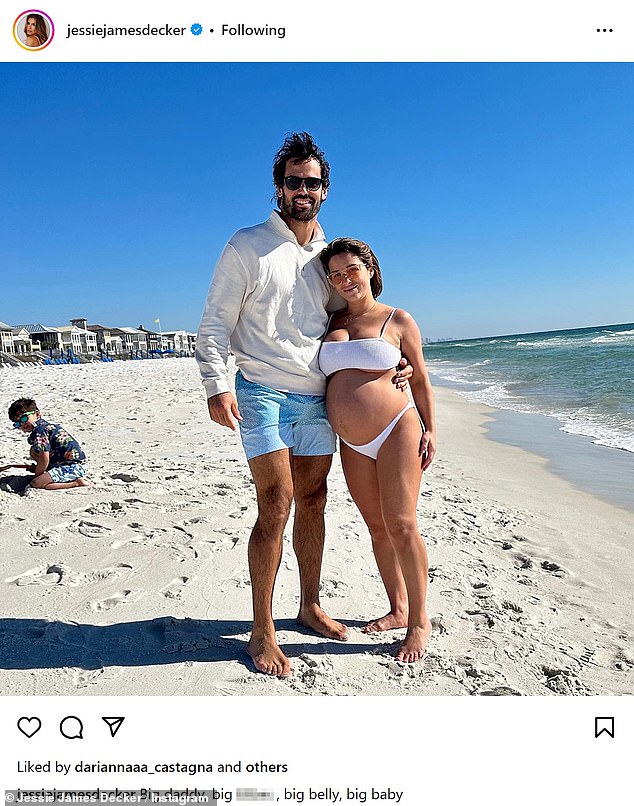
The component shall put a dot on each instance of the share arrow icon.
(113, 723)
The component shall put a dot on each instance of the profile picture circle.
(33, 30)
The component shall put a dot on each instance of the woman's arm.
(422, 392)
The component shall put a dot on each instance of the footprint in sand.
(223, 488)
(192, 645)
(175, 588)
(332, 588)
(313, 673)
(102, 574)
(183, 553)
(44, 538)
(41, 575)
(623, 660)
(499, 691)
(127, 478)
(135, 503)
(242, 580)
(563, 681)
(176, 541)
(16, 520)
(106, 508)
(92, 530)
(553, 568)
(116, 599)
(220, 543)
(480, 618)
(438, 625)
(198, 527)
(86, 677)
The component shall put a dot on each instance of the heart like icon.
(29, 725)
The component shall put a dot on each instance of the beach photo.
(172, 540)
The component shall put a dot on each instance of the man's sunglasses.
(22, 419)
(310, 183)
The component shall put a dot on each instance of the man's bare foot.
(413, 647)
(313, 617)
(83, 483)
(390, 621)
(267, 657)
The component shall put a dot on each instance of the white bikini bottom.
(371, 449)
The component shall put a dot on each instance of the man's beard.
(303, 214)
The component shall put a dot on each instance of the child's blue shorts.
(273, 420)
(63, 473)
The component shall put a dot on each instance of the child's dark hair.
(18, 407)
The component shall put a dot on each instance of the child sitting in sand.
(58, 456)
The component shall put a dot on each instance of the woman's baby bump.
(361, 403)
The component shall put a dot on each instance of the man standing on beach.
(268, 301)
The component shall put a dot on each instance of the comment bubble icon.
(71, 727)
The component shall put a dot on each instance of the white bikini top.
(376, 354)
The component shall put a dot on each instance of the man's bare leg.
(309, 481)
(274, 487)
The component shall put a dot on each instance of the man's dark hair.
(350, 246)
(299, 147)
(18, 407)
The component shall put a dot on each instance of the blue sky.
(498, 197)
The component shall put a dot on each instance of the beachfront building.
(107, 339)
(46, 338)
(88, 338)
(71, 339)
(22, 344)
(132, 338)
(154, 339)
(6, 338)
(78, 339)
(178, 340)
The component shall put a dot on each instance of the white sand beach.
(140, 584)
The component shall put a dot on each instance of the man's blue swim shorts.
(273, 420)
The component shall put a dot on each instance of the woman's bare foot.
(83, 483)
(390, 621)
(413, 647)
(313, 617)
(267, 657)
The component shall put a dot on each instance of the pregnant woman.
(387, 440)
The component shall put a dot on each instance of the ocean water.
(584, 378)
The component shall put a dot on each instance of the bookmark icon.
(604, 724)
(113, 723)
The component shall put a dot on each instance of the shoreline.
(602, 471)
(140, 584)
